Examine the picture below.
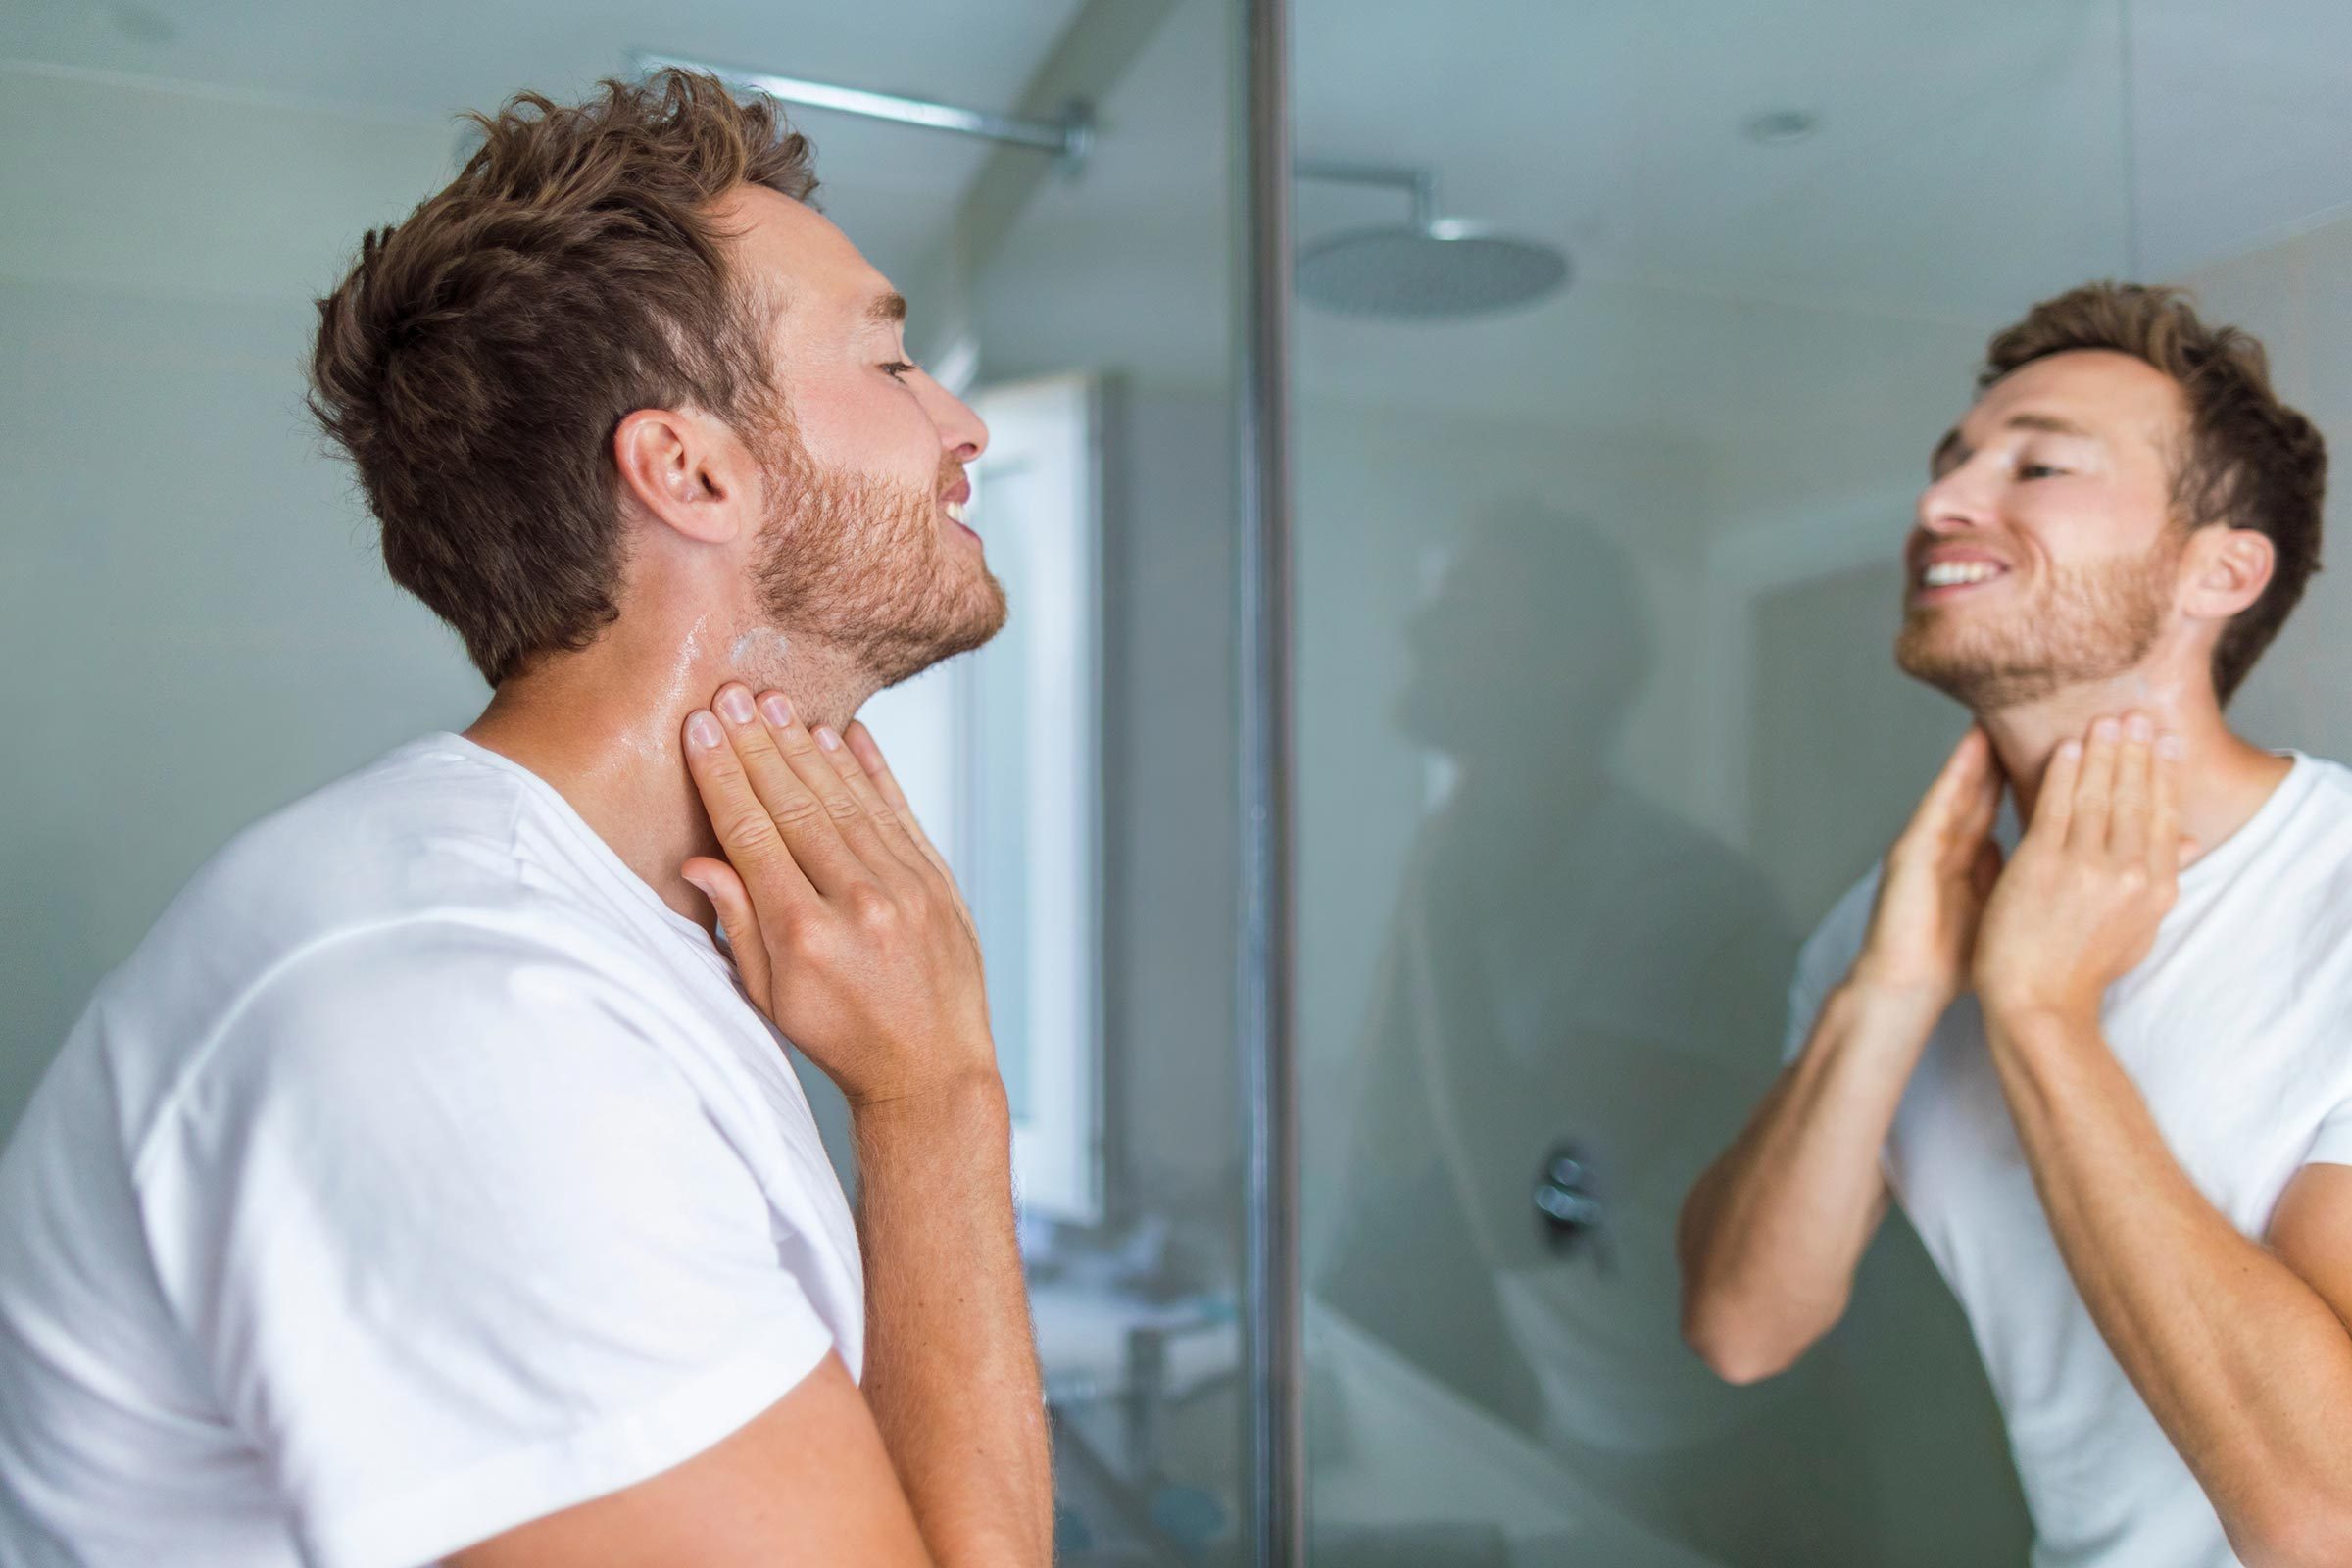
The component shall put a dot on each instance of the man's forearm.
(1771, 1234)
(951, 1362)
(2244, 1365)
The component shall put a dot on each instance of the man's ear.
(2227, 571)
(685, 468)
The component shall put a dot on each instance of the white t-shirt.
(420, 1174)
(2237, 1030)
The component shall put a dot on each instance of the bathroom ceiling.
(893, 187)
(1963, 151)
(1967, 158)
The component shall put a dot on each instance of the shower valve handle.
(1566, 1210)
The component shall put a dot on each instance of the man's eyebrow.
(2046, 421)
(887, 309)
(1948, 448)
(1952, 448)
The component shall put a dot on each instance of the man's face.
(2045, 554)
(863, 542)
(1523, 650)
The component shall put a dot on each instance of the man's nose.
(1955, 503)
(960, 431)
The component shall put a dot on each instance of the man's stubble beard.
(859, 564)
(2092, 624)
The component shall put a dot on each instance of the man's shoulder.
(2328, 795)
(437, 829)
(428, 820)
(389, 905)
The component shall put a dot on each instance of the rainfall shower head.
(1430, 267)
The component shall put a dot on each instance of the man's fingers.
(877, 767)
(2127, 822)
(736, 917)
(1939, 826)
(839, 847)
(2095, 789)
(1983, 802)
(749, 834)
(2054, 809)
(811, 753)
(885, 816)
(1962, 775)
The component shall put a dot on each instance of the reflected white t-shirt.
(2237, 1030)
(420, 1174)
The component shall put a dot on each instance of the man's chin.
(1978, 679)
(976, 619)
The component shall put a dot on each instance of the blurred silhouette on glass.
(1582, 994)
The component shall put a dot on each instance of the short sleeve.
(459, 1243)
(2333, 1145)
(1823, 962)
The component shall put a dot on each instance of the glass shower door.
(1610, 408)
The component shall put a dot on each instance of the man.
(2106, 1072)
(429, 1185)
(1570, 966)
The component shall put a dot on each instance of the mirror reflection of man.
(2105, 1066)
(1571, 967)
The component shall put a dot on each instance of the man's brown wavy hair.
(2251, 461)
(477, 357)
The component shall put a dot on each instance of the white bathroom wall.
(2295, 294)
(193, 625)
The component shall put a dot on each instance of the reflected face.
(2045, 555)
(1527, 648)
(1464, 647)
(863, 541)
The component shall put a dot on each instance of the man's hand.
(2091, 880)
(1922, 928)
(848, 930)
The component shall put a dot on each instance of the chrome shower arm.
(1069, 138)
(1420, 184)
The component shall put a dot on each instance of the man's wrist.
(2033, 1020)
(1880, 1006)
(964, 1105)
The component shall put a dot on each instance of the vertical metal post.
(1272, 1304)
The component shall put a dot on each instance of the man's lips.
(952, 510)
(953, 499)
(1940, 574)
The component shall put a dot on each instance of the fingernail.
(699, 885)
(2103, 730)
(2172, 746)
(2138, 727)
(736, 704)
(703, 729)
(777, 709)
(2070, 748)
(827, 739)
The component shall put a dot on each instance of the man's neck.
(2224, 778)
(602, 727)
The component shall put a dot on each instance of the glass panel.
(195, 628)
(1119, 281)
(1596, 715)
